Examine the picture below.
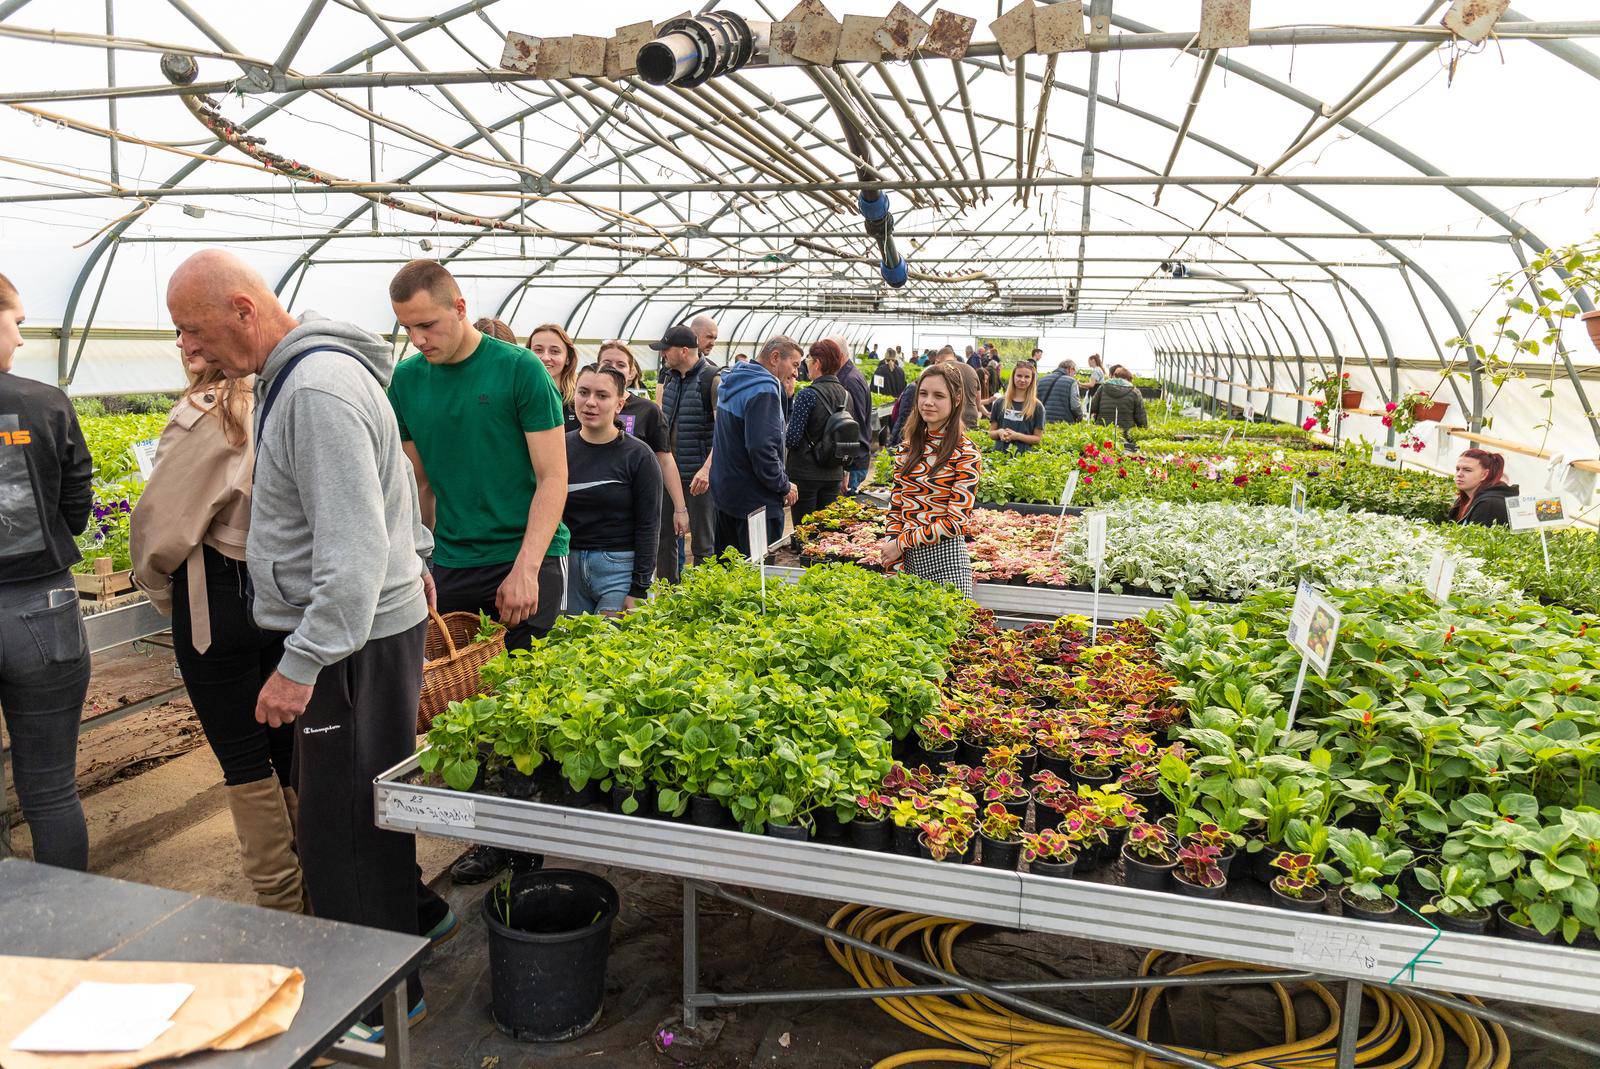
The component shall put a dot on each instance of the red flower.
(1122, 473)
(1109, 445)
(1387, 422)
(1390, 407)
(1240, 480)
(1319, 402)
(1308, 424)
(1194, 486)
(1087, 479)
(1093, 468)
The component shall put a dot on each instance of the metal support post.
(396, 1028)
(1350, 1025)
(691, 954)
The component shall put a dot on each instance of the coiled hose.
(1408, 1033)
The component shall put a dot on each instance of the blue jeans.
(44, 675)
(599, 580)
(857, 477)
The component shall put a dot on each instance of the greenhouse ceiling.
(1347, 188)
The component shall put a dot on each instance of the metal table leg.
(396, 1029)
(691, 956)
(1350, 1025)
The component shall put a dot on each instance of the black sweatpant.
(734, 531)
(814, 495)
(362, 719)
(474, 589)
(225, 680)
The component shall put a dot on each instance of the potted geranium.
(1335, 398)
(1000, 832)
(1299, 885)
(1148, 857)
(1197, 874)
(1402, 417)
(1049, 852)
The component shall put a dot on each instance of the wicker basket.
(452, 662)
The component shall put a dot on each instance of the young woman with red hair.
(1481, 489)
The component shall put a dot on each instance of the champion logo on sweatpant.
(320, 731)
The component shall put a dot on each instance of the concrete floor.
(156, 812)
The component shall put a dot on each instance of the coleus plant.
(1000, 824)
(1049, 844)
(1198, 864)
(1298, 876)
(1150, 843)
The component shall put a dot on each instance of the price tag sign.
(757, 524)
(1344, 953)
(1314, 627)
(144, 455)
(877, 383)
(1441, 577)
(1094, 528)
(421, 810)
(1536, 512)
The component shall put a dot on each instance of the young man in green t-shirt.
(482, 423)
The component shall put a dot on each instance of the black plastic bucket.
(547, 970)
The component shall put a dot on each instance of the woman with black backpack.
(818, 459)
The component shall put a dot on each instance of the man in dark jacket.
(1058, 392)
(1118, 402)
(688, 404)
(860, 393)
(747, 470)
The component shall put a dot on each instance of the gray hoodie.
(336, 536)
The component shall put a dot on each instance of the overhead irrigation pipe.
(688, 52)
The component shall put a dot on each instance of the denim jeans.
(44, 675)
(601, 578)
(857, 477)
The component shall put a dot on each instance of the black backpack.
(840, 440)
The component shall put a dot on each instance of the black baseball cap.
(676, 338)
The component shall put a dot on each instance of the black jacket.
(1058, 392)
(688, 401)
(1488, 508)
(1118, 402)
(46, 480)
(813, 405)
(894, 378)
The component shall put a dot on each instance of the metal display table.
(1407, 958)
(117, 627)
(58, 913)
(1046, 603)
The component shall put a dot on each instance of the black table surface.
(48, 912)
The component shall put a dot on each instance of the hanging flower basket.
(1350, 399)
(1591, 320)
(1430, 411)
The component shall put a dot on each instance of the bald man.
(335, 553)
(705, 331)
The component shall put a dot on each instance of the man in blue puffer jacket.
(747, 470)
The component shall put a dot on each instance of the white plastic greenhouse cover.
(1332, 270)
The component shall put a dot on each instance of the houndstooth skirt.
(943, 562)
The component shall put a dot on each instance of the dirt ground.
(154, 799)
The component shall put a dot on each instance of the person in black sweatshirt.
(613, 500)
(1482, 492)
(46, 492)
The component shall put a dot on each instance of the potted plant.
(1198, 874)
(1368, 870)
(1148, 857)
(1402, 417)
(1212, 835)
(1462, 897)
(1332, 397)
(869, 829)
(1000, 832)
(1298, 885)
(1055, 742)
(1005, 787)
(945, 840)
(936, 736)
(1049, 852)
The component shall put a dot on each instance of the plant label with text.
(1297, 500)
(1341, 952)
(144, 455)
(1249, 413)
(1094, 528)
(757, 524)
(1314, 627)
(1069, 489)
(413, 808)
(878, 383)
(1537, 512)
(1441, 577)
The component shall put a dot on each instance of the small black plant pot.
(1017, 807)
(997, 854)
(1312, 904)
(1045, 817)
(868, 834)
(1049, 762)
(903, 750)
(516, 785)
(1362, 909)
(934, 756)
(706, 812)
(1523, 933)
(620, 793)
(1111, 849)
(970, 753)
(1027, 762)
(963, 858)
(829, 828)
(1059, 870)
(1090, 780)
(1363, 818)
(657, 813)
(903, 841)
(1474, 923)
(1147, 875)
(797, 832)
(1260, 864)
(1412, 893)
(1194, 890)
(1153, 802)
(576, 799)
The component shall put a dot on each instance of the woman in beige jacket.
(188, 538)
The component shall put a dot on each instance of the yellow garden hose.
(1408, 1033)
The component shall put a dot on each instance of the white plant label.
(1094, 528)
(1069, 489)
(1537, 512)
(1249, 413)
(877, 383)
(1314, 627)
(1340, 952)
(1441, 577)
(1297, 500)
(1226, 438)
(757, 524)
(144, 455)
(414, 807)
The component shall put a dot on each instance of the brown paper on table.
(232, 1006)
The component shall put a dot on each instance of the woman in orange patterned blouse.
(935, 476)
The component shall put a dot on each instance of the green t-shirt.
(468, 422)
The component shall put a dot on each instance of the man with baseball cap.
(689, 403)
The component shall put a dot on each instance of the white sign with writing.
(1249, 413)
(1314, 627)
(1441, 577)
(1226, 438)
(1069, 489)
(144, 455)
(1537, 512)
(414, 807)
(1094, 528)
(1297, 500)
(757, 524)
(1346, 953)
(877, 383)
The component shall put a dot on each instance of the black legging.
(224, 681)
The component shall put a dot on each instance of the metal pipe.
(291, 47)
(850, 994)
(1204, 76)
(1505, 1020)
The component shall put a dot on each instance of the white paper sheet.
(98, 1017)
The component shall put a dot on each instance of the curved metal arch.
(110, 236)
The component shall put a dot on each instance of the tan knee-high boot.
(291, 800)
(266, 844)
